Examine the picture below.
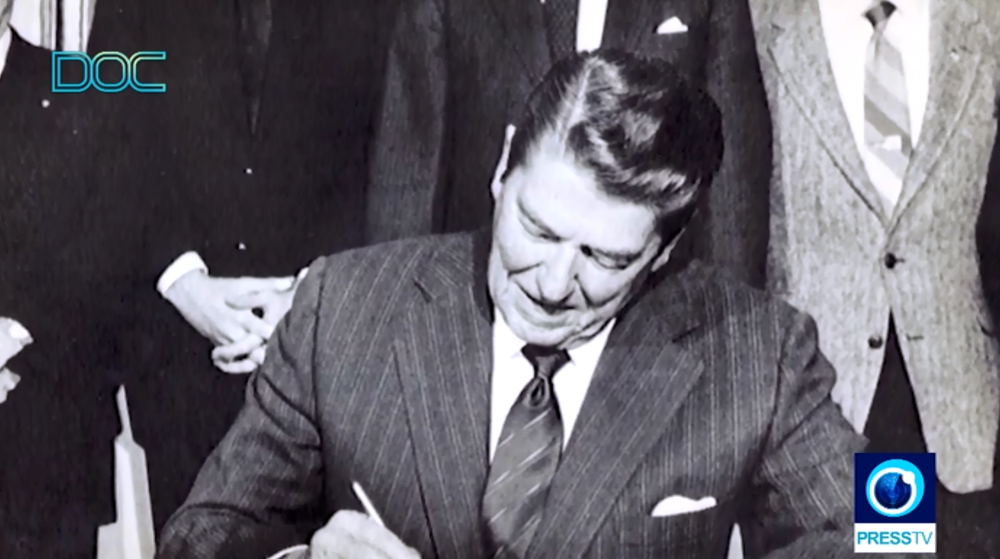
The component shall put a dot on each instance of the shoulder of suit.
(716, 292)
(393, 262)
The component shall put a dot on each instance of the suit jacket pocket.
(683, 535)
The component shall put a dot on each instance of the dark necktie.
(560, 26)
(526, 459)
(254, 36)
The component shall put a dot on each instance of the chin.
(539, 335)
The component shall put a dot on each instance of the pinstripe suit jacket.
(830, 235)
(381, 374)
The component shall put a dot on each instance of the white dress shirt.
(512, 372)
(590, 24)
(5, 39)
(847, 32)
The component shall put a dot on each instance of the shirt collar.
(857, 8)
(507, 345)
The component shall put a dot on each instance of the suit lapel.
(523, 27)
(798, 50)
(957, 36)
(630, 21)
(444, 360)
(641, 380)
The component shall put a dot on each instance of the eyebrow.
(626, 256)
(530, 216)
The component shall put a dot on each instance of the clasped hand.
(223, 310)
(13, 338)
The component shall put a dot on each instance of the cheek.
(518, 251)
(602, 287)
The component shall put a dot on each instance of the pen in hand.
(366, 503)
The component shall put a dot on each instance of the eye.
(607, 262)
(538, 232)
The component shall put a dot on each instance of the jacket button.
(890, 260)
(875, 341)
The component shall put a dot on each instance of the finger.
(250, 300)
(13, 338)
(364, 528)
(241, 367)
(247, 284)
(8, 379)
(8, 382)
(241, 348)
(18, 332)
(257, 355)
(337, 543)
(229, 329)
(256, 326)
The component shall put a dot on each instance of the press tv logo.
(894, 503)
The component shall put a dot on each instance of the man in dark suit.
(260, 142)
(988, 244)
(459, 69)
(430, 371)
(988, 238)
(67, 222)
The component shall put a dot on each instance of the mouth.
(545, 309)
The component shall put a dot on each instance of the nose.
(557, 276)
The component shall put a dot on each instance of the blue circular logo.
(895, 488)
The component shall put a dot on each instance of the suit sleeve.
(802, 492)
(405, 174)
(735, 222)
(255, 492)
(988, 238)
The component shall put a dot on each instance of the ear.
(497, 183)
(664, 256)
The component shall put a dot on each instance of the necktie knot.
(546, 360)
(879, 14)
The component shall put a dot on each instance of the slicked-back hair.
(649, 136)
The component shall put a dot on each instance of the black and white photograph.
(499, 279)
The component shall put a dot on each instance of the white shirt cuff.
(187, 262)
(302, 274)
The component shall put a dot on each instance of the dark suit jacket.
(261, 200)
(67, 225)
(381, 375)
(988, 237)
(988, 242)
(460, 70)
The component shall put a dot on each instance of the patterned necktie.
(560, 26)
(526, 459)
(887, 116)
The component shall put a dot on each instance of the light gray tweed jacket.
(830, 234)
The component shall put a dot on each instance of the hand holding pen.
(354, 535)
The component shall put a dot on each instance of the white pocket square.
(679, 504)
(672, 25)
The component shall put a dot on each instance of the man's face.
(565, 256)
